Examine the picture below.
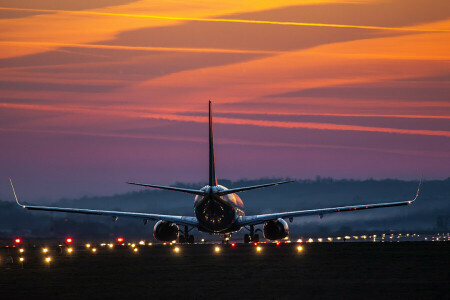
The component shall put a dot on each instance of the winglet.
(417, 194)
(15, 196)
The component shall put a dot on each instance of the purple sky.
(92, 96)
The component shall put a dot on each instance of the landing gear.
(252, 237)
(181, 239)
(190, 239)
(255, 238)
(247, 238)
(186, 237)
(226, 238)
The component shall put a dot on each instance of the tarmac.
(365, 270)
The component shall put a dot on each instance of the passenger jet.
(218, 210)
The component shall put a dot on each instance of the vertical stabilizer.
(212, 164)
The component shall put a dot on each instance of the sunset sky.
(96, 93)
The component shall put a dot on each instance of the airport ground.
(408, 270)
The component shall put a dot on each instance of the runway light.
(120, 240)
(88, 245)
(299, 248)
(142, 243)
(21, 250)
(110, 246)
(69, 240)
(217, 249)
(17, 240)
(69, 250)
(258, 249)
(48, 259)
(133, 245)
(233, 244)
(94, 250)
(203, 240)
(21, 259)
(135, 250)
(45, 250)
(176, 249)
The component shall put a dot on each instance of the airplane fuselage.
(218, 214)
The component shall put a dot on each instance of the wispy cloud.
(230, 121)
(222, 141)
(134, 48)
(410, 29)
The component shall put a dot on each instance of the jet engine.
(165, 231)
(276, 229)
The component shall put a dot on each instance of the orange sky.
(94, 93)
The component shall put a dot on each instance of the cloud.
(139, 48)
(230, 121)
(224, 20)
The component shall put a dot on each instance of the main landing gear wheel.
(247, 238)
(186, 237)
(226, 238)
(252, 237)
(190, 239)
(255, 238)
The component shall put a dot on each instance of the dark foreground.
(410, 270)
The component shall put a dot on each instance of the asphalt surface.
(409, 270)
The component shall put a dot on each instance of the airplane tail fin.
(212, 164)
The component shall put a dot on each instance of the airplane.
(218, 210)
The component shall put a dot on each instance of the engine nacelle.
(276, 229)
(165, 231)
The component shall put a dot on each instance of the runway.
(409, 270)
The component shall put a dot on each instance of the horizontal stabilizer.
(170, 188)
(253, 187)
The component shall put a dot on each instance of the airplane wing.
(258, 219)
(180, 220)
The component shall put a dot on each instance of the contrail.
(225, 20)
(233, 121)
(141, 48)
